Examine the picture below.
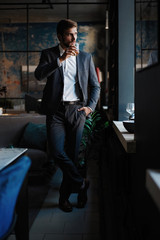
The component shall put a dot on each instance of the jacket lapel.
(57, 53)
(79, 74)
(79, 69)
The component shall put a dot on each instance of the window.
(146, 33)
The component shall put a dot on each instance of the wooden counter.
(126, 138)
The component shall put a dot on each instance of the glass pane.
(13, 28)
(138, 9)
(11, 65)
(91, 37)
(149, 35)
(149, 26)
(42, 36)
(138, 59)
(42, 26)
(87, 12)
(35, 87)
(145, 58)
(146, 33)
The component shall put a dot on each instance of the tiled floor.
(81, 224)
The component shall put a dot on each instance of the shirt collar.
(61, 50)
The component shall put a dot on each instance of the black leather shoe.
(65, 205)
(82, 196)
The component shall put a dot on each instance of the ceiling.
(52, 10)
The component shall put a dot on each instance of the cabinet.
(129, 211)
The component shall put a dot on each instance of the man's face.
(68, 38)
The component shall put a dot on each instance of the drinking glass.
(77, 48)
(130, 109)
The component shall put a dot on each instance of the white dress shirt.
(70, 77)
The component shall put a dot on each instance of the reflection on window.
(146, 33)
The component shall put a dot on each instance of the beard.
(67, 44)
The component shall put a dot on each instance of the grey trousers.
(64, 132)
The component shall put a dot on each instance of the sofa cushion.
(38, 173)
(38, 158)
(34, 136)
(12, 127)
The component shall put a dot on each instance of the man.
(66, 105)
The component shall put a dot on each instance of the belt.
(70, 102)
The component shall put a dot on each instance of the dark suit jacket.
(53, 90)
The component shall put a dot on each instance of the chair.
(11, 180)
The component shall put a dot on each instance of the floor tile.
(52, 223)
(92, 237)
(81, 227)
(47, 227)
(80, 224)
(63, 237)
(74, 216)
(11, 237)
(36, 236)
(74, 227)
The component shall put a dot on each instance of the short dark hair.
(64, 25)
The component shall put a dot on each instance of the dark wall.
(147, 97)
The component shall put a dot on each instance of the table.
(7, 157)
(126, 138)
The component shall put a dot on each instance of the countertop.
(127, 139)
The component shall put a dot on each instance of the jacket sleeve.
(94, 86)
(46, 66)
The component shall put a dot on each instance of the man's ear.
(59, 37)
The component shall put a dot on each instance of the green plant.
(92, 127)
